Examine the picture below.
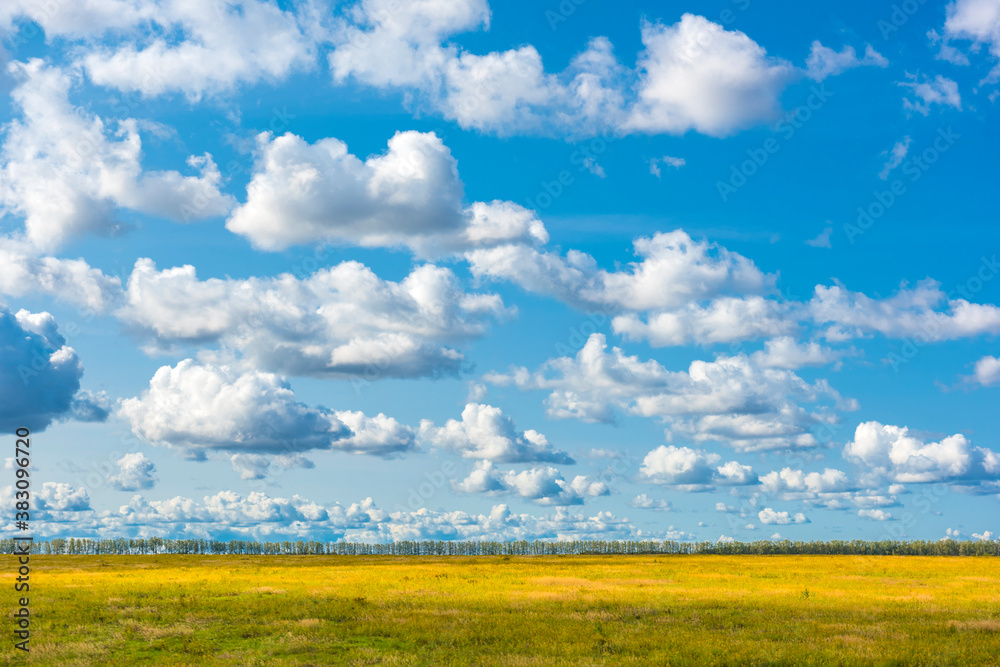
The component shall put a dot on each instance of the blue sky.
(437, 270)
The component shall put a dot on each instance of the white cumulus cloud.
(545, 486)
(409, 196)
(977, 21)
(772, 517)
(484, 432)
(890, 451)
(730, 399)
(67, 173)
(40, 375)
(341, 321)
(224, 44)
(135, 473)
(199, 408)
(986, 372)
(693, 470)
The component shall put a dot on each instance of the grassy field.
(570, 610)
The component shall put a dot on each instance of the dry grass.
(578, 610)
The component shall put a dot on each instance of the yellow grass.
(558, 610)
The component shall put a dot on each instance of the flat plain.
(521, 610)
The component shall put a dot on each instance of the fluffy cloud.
(197, 408)
(785, 352)
(70, 280)
(643, 501)
(875, 515)
(832, 489)
(342, 321)
(546, 486)
(503, 524)
(409, 196)
(67, 174)
(40, 375)
(79, 19)
(790, 481)
(379, 435)
(693, 470)
(224, 44)
(911, 312)
(823, 61)
(89, 406)
(60, 497)
(987, 372)
(924, 311)
(722, 320)
(695, 75)
(771, 517)
(891, 452)
(673, 270)
(387, 44)
(227, 512)
(730, 399)
(502, 92)
(250, 466)
(135, 472)
(978, 21)
(230, 515)
(255, 466)
(692, 75)
(56, 508)
(484, 432)
(220, 45)
(683, 291)
(202, 407)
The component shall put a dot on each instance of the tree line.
(158, 545)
